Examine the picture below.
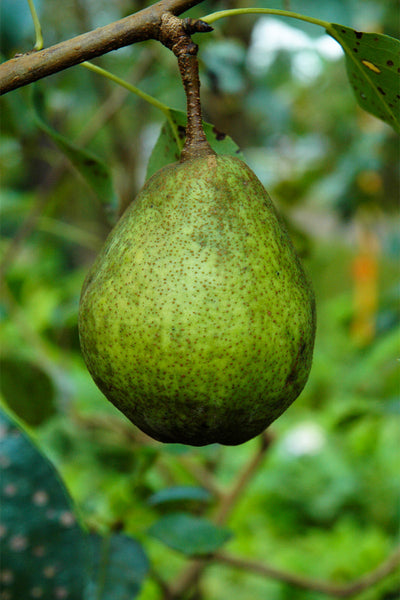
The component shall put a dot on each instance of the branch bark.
(191, 574)
(330, 589)
(229, 501)
(143, 25)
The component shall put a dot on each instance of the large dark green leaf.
(166, 149)
(44, 551)
(373, 67)
(119, 568)
(193, 536)
(95, 172)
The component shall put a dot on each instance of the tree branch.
(192, 572)
(330, 589)
(143, 25)
(229, 500)
(203, 475)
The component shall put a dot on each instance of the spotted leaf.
(43, 547)
(373, 67)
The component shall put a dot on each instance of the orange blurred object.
(365, 292)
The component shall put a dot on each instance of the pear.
(197, 320)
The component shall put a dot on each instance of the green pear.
(197, 320)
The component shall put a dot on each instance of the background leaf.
(194, 536)
(95, 172)
(179, 494)
(27, 390)
(166, 150)
(119, 568)
(44, 554)
(373, 67)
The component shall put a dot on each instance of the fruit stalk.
(196, 144)
(176, 35)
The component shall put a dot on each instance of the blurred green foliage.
(325, 501)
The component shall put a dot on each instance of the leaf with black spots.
(373, 68)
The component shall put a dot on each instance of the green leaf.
(95, 172)
(179, 494)
(193, 536)
(44, 551)
(27, 390)
(178, 449)
(166, 149)
(119, 568)
(373, 67)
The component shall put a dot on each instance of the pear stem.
(176, 34)
(196, 143)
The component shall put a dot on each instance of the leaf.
(95, 172)
(178, 494)
(44, 551)
(373, 67)
(27, 390)
(166, 149)
(119, 568)
(193, 536)
(178, 449)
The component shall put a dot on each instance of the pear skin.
(197, 320)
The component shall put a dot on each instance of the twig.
(143, 25)
(203, 475)
(163, 585)
(36, 23)
(191, 574)
(187, 579)
(229, 501)
(105, 423)
(330, 589)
